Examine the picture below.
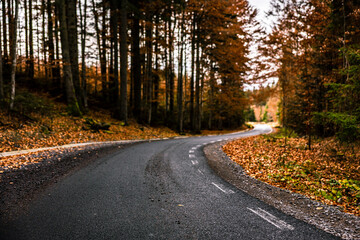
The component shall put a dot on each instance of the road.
(155, 190)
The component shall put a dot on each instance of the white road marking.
(212, 141)
(191, 151)
(191, 155)
(221, 188)
(200, 172)
(194, 148)
(272, 219)
(194, 162)
(198, 145)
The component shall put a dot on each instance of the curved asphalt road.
(155, 190)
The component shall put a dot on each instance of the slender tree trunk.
(180, 78)
(171, 68)
(31, 43)
(103, 49)
(38, 48)
(56, 72)
(192, 109)
(135, 66)
(4, 31)
(51, 42)
(26, 35)
(83, 45)
(114, 36)
(73, 46)
(44, 40)
(166, 77)
(1, 70)
(123, 61)
(69, 86)
(149, 29)
(197, 85)
(102, 52)
(156, 77)
(13, 53)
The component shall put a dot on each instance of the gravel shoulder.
(328, 218)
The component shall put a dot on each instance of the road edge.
(327, 218)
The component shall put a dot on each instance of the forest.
(187, 64)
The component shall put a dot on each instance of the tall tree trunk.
(180, 78)
(171, 68)
(103, 49)
(4, 31)
(149, 29)
(197, 84)
(114, 37)
(31, 43)
(1, 70)
(192, 80)
(73, 45)
(123, 61)
(13, 53)
(51, 43)
(44, 39)
(26, 34)
(83, 17)
(156, 77)
(102, 52)
(69, 86)
(56, 72)
(135, 66)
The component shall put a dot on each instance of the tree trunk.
(149, 29)
(103, 49)
(13, 54)
(155, 102)
(102, 52)
(135, 66)
(56, 71)
(83, 65)
(1, 70)
(4, 32)
(69, 86)
(123, 61)
(73, 45)
(51, 43)
(180, 78)
(44, 40)
(114, 38)
(26, 35)
(192, 112)
(171, 69)
(197, 85)
(31, 43)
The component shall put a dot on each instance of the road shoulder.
(327, 218)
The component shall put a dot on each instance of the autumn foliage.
(329, 172)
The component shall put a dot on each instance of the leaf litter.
(329, 172)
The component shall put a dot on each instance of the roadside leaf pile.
(330, 172)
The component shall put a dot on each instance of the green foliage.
(250, 115)
(27, 103)
(345, 126)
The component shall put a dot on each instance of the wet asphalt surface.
(154, 190)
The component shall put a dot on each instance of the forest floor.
(41, 122)
(329, 172)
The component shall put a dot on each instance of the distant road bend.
(155, 190)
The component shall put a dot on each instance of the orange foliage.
(329, 172)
